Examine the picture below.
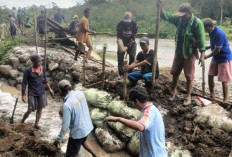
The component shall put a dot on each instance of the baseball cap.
(144, 40)
(208, 22)
(35, 58)
(64, 83)
(183, 9)
(75, 16)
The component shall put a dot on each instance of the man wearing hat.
(221, 64)
(189, 36)
(35, 77)
(126, 33)
(76, 118)
(144, 60)
(73, 26)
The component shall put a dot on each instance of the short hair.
(139, 93)
(65, 89)
(208, 22)
(86, 10)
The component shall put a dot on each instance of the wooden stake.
(125, 79)
(46, 40)
(203, 80)
(103, 66)
(36, 44)
(156, 47)
(12, 117)
(84, 56)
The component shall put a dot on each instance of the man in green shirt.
(20, 18)
(190, 36)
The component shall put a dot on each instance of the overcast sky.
(47, 3)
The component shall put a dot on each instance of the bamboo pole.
(36, 44)
(84, 56)
(103, 66)
(125, 62)
(46, 40)
(12, 117)
(203, 80)
(156, 46)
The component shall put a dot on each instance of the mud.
(20, 140)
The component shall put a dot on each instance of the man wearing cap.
(126, 33)
(73, 29)
(83, 35)
(76, 118)
(35, 77)
(189, 36)
(144, 60)
(221, 64)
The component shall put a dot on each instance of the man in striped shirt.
(151, 126)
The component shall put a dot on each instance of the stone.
(174, 151)
(63, 67)
(53, 66)
(14, 62)
(69, 77)
(12, 82)
(28, 63)
(60, 76)
(24, 58)
(109, 141)
(19, 79)
(19, 87)
(76, 76)
(75, 66)
(98, 116)
(5, 70)
(14, 74)
(133, 145)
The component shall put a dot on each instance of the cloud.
(47, 3)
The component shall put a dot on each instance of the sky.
(47, 3)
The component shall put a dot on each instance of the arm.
(214, 52)
(47, 84)
(65, 122)
(24, 85)
(135, 64)
(86, 27)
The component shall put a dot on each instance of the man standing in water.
(35, 78)
(189, 30)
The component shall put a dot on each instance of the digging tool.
(103, 67)
(125, 79)
(156, 45)
(46, 40)
(12, 117)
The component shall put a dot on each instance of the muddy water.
(50, 122)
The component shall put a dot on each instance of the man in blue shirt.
(221, 64)
(76, 118)
(59, 17)
(151, 126)
(35, 78)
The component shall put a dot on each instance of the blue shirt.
(76, 116)
(152, 139)
(59, 18)
(218, 39)
(35, 81)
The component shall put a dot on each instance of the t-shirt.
(15, 13)
(218, 39)
(82, 35)
(152, 139)
(73, 24)
(59, 18)
(20, 18)
(41, 22)
(12, 22)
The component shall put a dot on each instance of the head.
(13, 8)
(64, 87)
(10, 15)
(184, 12)
(144, 44)
(127, 17)
(36, 61)
(59, 10)
(42, 11)
(87, 12)
(209, 24)
(75, 17)
(139, 96)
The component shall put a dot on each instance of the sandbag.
(97, 116)
(133, 145)
(109, 141)
(124, 132)
(119, 108)
(97, 98)
(214, 116)
(174, 151)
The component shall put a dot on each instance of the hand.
(111, 118)
(51, 92)
(57, 144)
(94, 33)
(24, 98)
(127, 67)
(202, 59)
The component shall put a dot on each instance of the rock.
(63, 67)
(60, 76)
(123, 131)
(109, 141)
(69, 77)
(133, 145)
(19, 87)
(98, 98)
(28, 63)
(14, 74)
(12, 82)
(19, 79)
(24, 58)
(5, 70)
(14, 62)
(53, 66)
(174, 151)
(75, 66)
(214, 116)
(98, 116)
(119, 108)
(21, 68)
(76, 76)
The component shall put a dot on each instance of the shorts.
(74, 146)
(188, 65)
(12, 31)
(222, 70)
(37, 102)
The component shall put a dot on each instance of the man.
(190, 36)
(15, 13)
(28, 23)
(13, 26)
(20, 18)
(76, 118)
(83, 35)
(126, 33)
(59, 17)
(144, 60)
(73, 26)
(35, 78)
(151, 126)
(221, 64)
(41, 24)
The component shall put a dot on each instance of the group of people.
(190, 38)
